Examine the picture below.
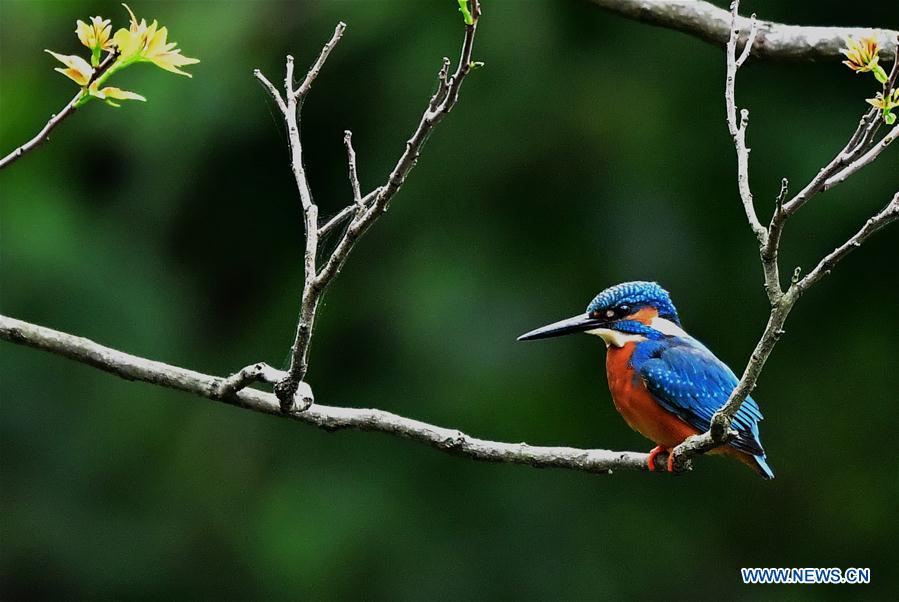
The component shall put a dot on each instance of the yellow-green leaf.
(78, 69)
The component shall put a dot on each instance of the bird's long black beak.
(579, 323)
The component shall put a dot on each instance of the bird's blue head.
(631, 309)
(630, 297)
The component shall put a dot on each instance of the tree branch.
(455, 442)
(320, 62)
(782, 303)
(346, 212)
(862, 161)
(259, 372)
(270, 88)
(859, 151)
(290, 391)
(44, 135)
(351, 164)
(738, 129)
(775, 40)
(364, 210)
(887, 215)
(720, 431)
(770, 249)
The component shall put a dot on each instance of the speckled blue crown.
(636, 294)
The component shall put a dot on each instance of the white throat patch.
(620, 339)
(613, 337)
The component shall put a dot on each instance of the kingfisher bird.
(666, 384)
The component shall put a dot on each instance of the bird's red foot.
(651, 460)
(670, 462)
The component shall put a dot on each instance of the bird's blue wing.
(689, 381)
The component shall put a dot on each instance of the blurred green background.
(589, 150)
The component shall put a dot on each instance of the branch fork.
(294, 393)
(859, 151)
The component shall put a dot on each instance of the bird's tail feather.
(758, 463)
(761, 466)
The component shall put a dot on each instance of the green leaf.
(466, 14)
(889, 118)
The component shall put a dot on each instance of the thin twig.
(270, 88)
(452, 441)
(44, 135)
(858, 143)
(347, 212)
(320, 61)
(442, 76)
(888, 214)
(738, 128)
(433, 115)
(771, 247)
(862, 161)
(750, 40)
(288, 77)
(894, 72)
(335, 221)
(351, 163)
(866, 126)
(259, 372)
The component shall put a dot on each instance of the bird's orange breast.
(643, 413)
(637, 405)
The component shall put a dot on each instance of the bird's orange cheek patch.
(645, 315)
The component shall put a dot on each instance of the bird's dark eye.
(624, 310)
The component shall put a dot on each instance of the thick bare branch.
(707, 22)
(451, 441)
